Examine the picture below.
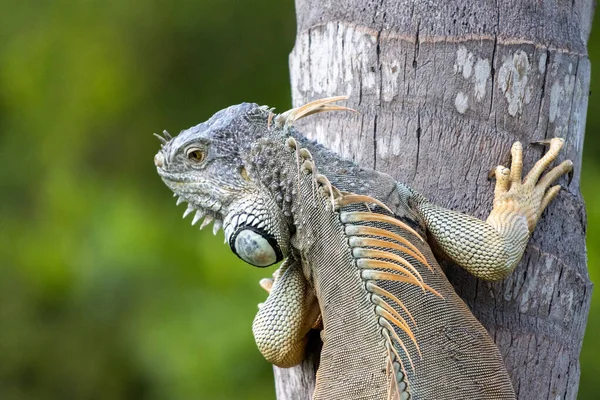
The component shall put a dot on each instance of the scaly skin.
(357, 262)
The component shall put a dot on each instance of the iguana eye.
(195, 155)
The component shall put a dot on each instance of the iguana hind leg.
(492, 249)
(284, 319)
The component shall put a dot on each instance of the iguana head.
(207, 167)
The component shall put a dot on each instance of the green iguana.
(356, 253)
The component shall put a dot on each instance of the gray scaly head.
(207, 166)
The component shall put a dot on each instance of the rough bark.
(443, 90)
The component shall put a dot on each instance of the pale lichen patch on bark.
(542, 63)
(461, 102)
(473, 69)
(320, 135)
(396, 145)
(555, 94)
(464, 62)
(513, 79)
(482, 73)
(311, 63)
(389, 76)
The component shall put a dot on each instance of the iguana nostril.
(159, 159)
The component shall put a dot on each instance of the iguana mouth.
(205, 206)
(201, 212)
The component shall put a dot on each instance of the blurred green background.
(105, 292)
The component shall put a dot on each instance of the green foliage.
(104, 293)
(590, 176)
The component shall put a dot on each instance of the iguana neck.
(350, 177)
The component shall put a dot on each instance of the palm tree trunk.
(443, 90)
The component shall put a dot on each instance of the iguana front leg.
(284, 319)
(492, 249)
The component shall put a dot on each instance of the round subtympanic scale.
(254, 249)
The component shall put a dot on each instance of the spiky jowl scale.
(357, 260)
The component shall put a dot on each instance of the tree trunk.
(443, 90)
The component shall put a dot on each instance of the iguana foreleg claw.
(267, 283)
(492, 249)
(528, 197)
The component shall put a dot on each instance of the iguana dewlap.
(356, 254)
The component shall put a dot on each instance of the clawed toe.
(555, 173)
(542, 164)
(503, 176)
(267, 284)
(516, 165)
(547, 142)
